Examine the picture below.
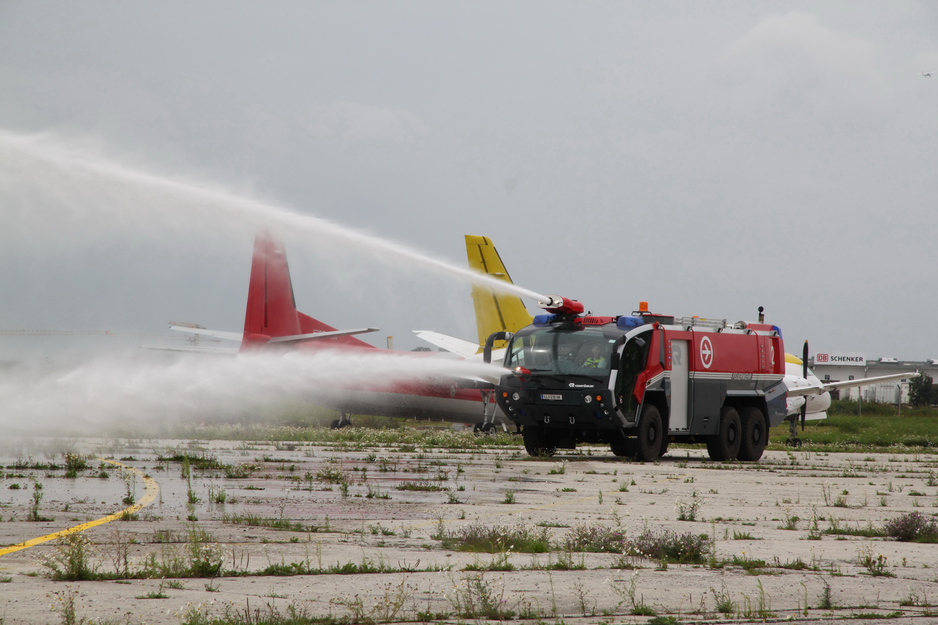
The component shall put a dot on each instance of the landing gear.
(487, 424)
(484, 428)
(754, 434)
(536, 442)
(344, 421)
(725, 444)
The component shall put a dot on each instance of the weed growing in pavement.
(64, 604)
(155, 594)
(595, 539)
(665, 546)
(34, 506)
(724, 602)
(747, 563)
(826, 493)
(499, 562)
(202, 558)
(837, 529)
(875, 566)
(628, 593)
(187, 476)
(509, 497)
(130, 482)
(564, 562)
(763, 607)
(165, 536)
(71, 559)
(687, 509)
(217, 495)
(482, 538)
(912, 527)
(824, 600)
(331, 475)
(581, 592)
(841, 500)
(558, 470)
(475, 597)
(270, 614)
(421, 485)
(791, 521)
(247, 518)
(385, 610)
(73, 464)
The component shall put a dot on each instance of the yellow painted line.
(152, 492)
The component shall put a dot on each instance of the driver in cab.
(595, 361)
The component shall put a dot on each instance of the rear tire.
(535, 442)
(754, 434)
(725, 445)
(648, 442)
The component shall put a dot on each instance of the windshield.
(562, 351)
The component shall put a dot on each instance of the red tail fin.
(271, 310)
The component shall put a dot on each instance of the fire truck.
(637, 382)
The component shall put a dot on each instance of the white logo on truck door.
(706, 352)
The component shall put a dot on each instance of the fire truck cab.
(636, 382)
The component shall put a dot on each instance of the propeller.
(804, 372)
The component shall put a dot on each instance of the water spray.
(68, 159)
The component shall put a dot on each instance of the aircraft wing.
(320, 335)
(221, 351)
(817, 389)
(460, 347)
(218, 334)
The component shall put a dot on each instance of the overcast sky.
(708, 157)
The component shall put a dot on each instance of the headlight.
(515, 396)
(588, 399)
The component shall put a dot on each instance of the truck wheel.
(725, 445)
(649, 435)
(754, 434)
(664, 445)
(535, 442)
(624, 448)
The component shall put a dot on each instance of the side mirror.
(616, 355)
(495, 336)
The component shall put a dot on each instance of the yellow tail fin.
(495, 312)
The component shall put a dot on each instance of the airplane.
(926, 74)
(808, 397)
(494, 312)
(272, 321)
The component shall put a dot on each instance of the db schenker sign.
(840, 358)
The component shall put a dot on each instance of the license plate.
(551, 397)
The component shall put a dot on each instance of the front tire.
(725, 445)
(754, 434)
(535, 442)
(648, 442)
(624, 448)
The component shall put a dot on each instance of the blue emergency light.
(626, 322)
(544, 320)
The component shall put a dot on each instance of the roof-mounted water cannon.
(561, 305)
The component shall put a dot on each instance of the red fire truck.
(636, 382)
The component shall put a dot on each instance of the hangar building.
(841, 366)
